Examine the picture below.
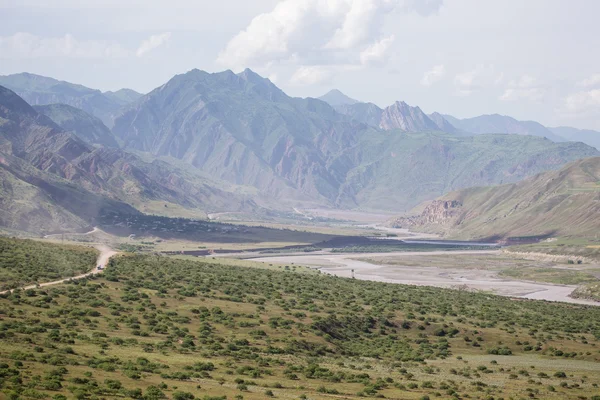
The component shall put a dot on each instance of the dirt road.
(58, 235)
(105, 254)
(431, 275)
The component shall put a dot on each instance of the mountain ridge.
(53, 158)
(565, 202)
(242, 129)
(83, 125)
(42, 90)
(336, 98)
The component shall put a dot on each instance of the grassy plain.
(155, 327)
(26, 262)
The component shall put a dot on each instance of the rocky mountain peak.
(400, 115)
(336, 98)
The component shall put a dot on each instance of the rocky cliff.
(436, 212)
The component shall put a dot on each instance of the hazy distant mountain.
(496, 123)
(410, 119)
(586, 136)
(397, 116)
(367, 113)
(82, 124)
(123, 96)
(41, 90)
(336, 98)
(243, 129)
(62, 173)
(442, 123)
(562, 203)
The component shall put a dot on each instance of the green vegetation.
(575, 249)
(153, 327)
(26, 262)
(550, 275)
(201, 230)
(591, 291)
(563, 203)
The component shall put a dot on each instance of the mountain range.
(412, 119)
(228, 142)
(555, 203)
(46, 169)
(41, 90)
(243, 129)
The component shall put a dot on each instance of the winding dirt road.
(82, 234)
(105, 254)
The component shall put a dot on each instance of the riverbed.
(476, 279)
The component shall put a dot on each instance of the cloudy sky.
(533, 59)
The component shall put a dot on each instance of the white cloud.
(434, 75)
(524, 88)
(423, 7)
(473, 81)
(591, 81)
(319, 33)
(377, 53)
(582, 103)
(312, 75)
(27, 45)
(152, 43)
(23, 45)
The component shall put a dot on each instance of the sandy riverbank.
(473, 279)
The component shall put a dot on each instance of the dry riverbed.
(483, 270)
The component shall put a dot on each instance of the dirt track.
(105, 254)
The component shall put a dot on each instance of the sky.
(533, 60)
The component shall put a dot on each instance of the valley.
(217, 238)
(151, 325)
(488, 271)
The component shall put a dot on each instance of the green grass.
(151, 327)
(25, 262)
(590, 291)
(550, 275)
(588, 248)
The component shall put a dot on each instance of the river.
(345, 265)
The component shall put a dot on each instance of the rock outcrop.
(436, 212)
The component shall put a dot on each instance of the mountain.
(558, 203)
(336, 98)
(243, 129)
(38, 152)
(586, 136)
(397, 116)
(400, 170)
(496, 123)
(36, 201)
(442, 123)
(123, 96)
(367, 113)
(409, 119)
(41, 90)
(82, 124)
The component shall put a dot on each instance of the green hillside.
(556, 203)
(153, 328)
(26, 262)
